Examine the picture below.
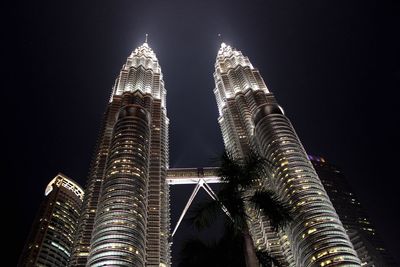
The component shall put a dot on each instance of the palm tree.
(240, 188)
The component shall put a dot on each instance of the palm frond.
(276, 210)
(242, 173)
(204, 214)
(254, 168)
(233, 202)
(229, 169)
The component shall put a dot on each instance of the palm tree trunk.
(249, 250)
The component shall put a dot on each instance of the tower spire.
(221, 40)
(145, 40)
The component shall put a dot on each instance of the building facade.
(360, 229)
(125, 214)
(251, 120)
(51, 236)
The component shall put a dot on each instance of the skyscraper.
(125, 216)
(51, 237)
(361, 230)
(251, 119)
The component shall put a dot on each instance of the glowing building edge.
(65, 182)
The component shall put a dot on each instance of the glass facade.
(120, 224)
(251, 119)
(51, 237)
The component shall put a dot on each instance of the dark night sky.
(333, 66)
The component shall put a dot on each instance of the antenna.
(145, 40)
(221, 40)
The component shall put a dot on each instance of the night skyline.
(333, 67)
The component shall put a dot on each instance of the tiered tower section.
(125, 218)
(251, 119)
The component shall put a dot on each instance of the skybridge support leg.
(194, 193)
(200, 184)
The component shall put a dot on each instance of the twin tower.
(125, 219)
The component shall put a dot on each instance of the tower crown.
(141, 72)
(143, 56)
(233, 74)
(68, 183)
(228, 58)
(227, 51)
(144, 51)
